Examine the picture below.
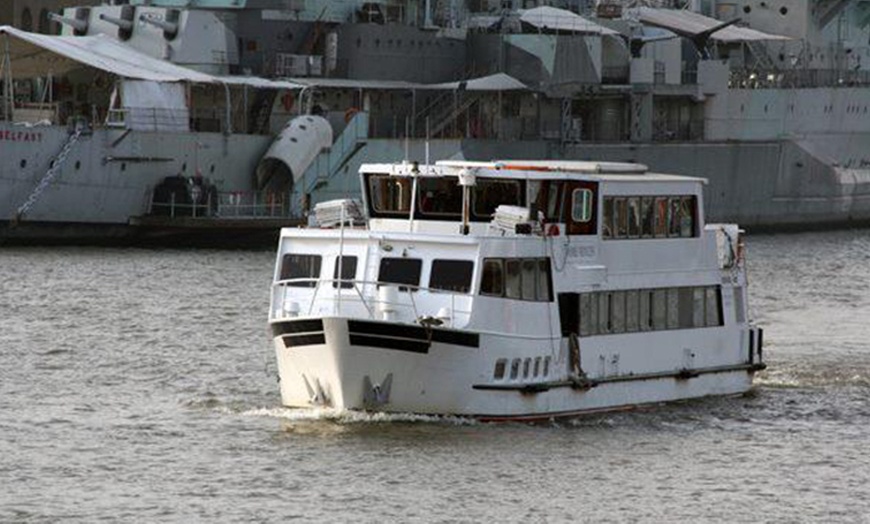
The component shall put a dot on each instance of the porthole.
(546, 366)
(747, 9)
(783, 10)
(123, 166)
(293, 139)
(537, 367)
(302, 127)
(23, 163)
(211, 169)
(526, 366)
(515, 368)
(184, 167)
(78, 165)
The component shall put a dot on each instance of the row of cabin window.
(611, 312)
(517, 278)
(448, 275)
(649, 217)
(531, 368)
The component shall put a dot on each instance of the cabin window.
(515, 368)
(492, 283)
(661, 204)
(634, 217)
(660, 309)
(632, 311)
(687, 216)
(390, 196)
(451, 275)
(400, 271)
(617, 312)
(500, 366)
(648, 217)
(713, 309)
(489, 194)
(537, 367)
(604, 312)
(620, 217)
(546, 197)
(675, 217)
(529, 279)
(546, 366)
(295, 266)
(544, 287)
(607, 227)
(513, 278)
(348, 271)
(439, 197)
(526, 366)
(582, 208)
(699, 317)
(517, 278)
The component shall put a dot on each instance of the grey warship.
(225, 119)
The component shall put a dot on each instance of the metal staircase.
(51, 174)
(330, 162)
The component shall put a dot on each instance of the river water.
(140, 385)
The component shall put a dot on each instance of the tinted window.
(439, 198)
(390, 196)
(400, 271)
(294, 266)
(489, 194)
(451, 275)
(493, 277)
(348, 271)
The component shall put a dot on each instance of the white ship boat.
(512, 290)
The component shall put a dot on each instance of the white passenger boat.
(512, 290)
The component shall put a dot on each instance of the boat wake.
(353, 417)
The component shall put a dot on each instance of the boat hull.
(346, 364)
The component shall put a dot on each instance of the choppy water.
(139, 385)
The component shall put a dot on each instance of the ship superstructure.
(766, 100)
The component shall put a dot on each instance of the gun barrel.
(78, 25)
(169, 27)
(126, 25)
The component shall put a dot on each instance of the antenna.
(407, 144)
(427, 142)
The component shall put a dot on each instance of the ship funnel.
(169, 25)
(79, 26)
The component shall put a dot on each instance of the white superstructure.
(513, 290)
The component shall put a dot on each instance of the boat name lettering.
(20, 136)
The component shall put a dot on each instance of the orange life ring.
(287, 101)
(348, 115)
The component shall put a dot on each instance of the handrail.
(409, 289)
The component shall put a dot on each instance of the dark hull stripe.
(297, 326)
(446, 336)
(303, 340)
(400, 344)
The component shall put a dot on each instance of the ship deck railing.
(412, 304)
(227, 204)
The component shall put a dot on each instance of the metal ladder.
(51, 174)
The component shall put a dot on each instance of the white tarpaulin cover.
(36, 55)
(688, 23)
(155, 106)
(496, 82)
(546, 17)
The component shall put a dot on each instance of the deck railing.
(361, 297)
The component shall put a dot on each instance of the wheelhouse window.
(451, 275)
(517, 278)
(297, 266)
(650, 217)
(347, 266)
(404, 271)
(546, 196)
(440, 198)
(390, 196)
(491, 193)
